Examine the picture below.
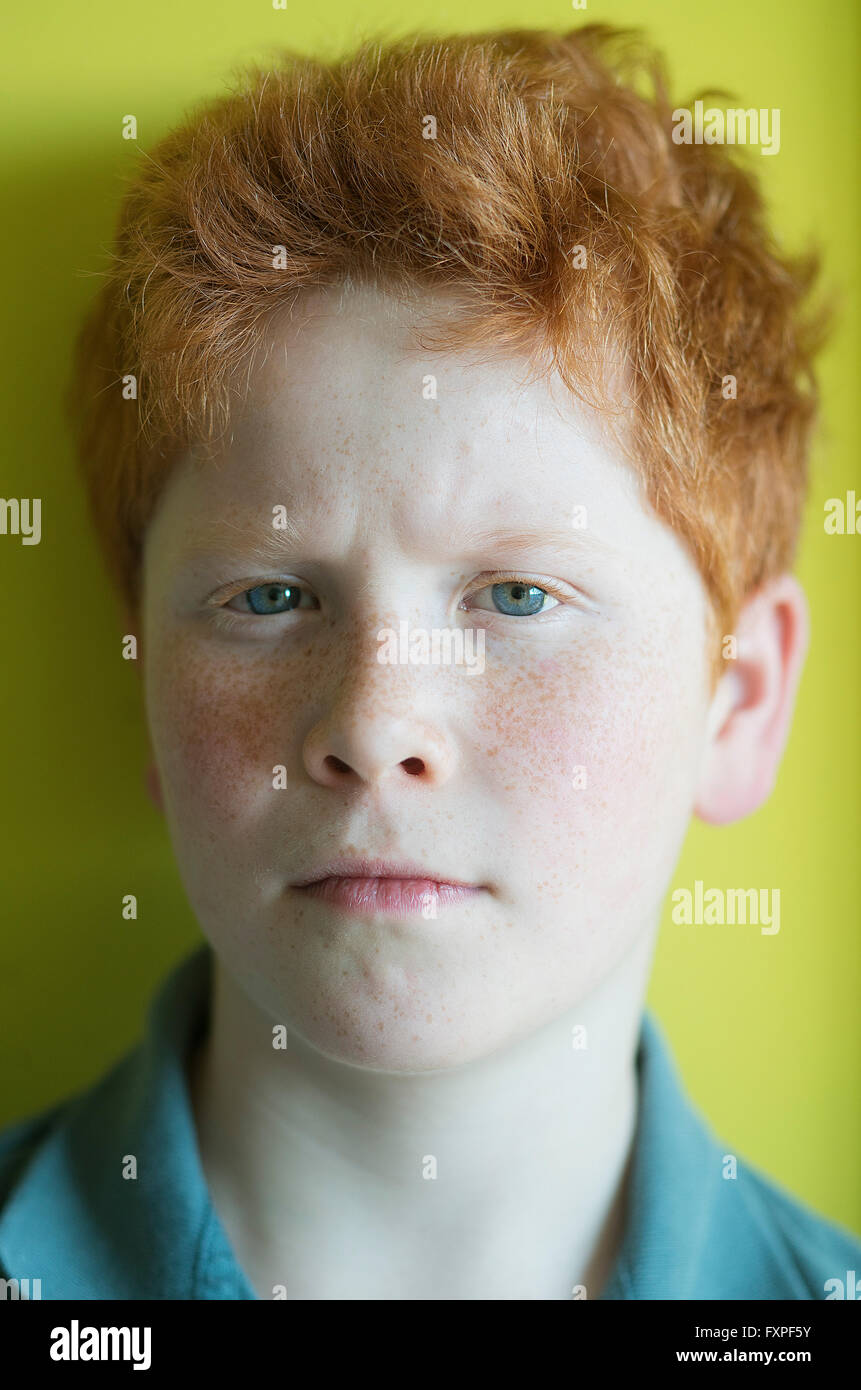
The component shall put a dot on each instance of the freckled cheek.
(582, 750)
(217, 736)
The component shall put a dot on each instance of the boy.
(440, 413)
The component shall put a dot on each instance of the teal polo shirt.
(70, 1219)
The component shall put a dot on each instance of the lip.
(394, 897)
(373, 886)
(380, 869)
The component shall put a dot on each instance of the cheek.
(218, 728)
(592, 720)
(592, 746)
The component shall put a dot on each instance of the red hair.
(544, 143)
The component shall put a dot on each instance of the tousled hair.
(553, 199)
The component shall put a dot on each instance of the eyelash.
(229, 619)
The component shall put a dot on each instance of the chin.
(396, 1048)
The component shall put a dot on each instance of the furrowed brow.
(269, 545)
(263, 544)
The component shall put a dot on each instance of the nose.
(383, 724)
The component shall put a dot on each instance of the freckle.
(429, 1018)
(380, 1026)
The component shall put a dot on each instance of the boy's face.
(559, 778)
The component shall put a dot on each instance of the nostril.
(414, 766)
(336, 764)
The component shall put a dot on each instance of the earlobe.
(751, 712)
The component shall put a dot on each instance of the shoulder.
(72, 1209)
(803, 1249)
(20, 1143)
(706, 1223)
(20, 1140)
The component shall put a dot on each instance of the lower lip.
(396, 897)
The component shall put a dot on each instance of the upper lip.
(377, 868)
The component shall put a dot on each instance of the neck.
(503, 1178)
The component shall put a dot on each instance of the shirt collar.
(673, 1187)
(79, 1221)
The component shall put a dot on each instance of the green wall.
(768, 1034)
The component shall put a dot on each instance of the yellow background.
(767, 1034)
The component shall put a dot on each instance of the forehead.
(347, 400)
(358, 345)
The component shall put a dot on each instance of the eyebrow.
(269, 545)
(571, 539)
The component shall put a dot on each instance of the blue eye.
(524, 601)
(516, 598)
(271, 598)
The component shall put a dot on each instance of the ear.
(751, 711)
